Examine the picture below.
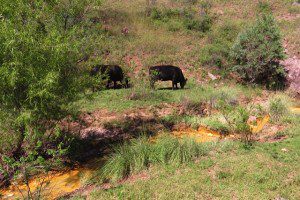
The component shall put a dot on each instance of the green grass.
(120, 99)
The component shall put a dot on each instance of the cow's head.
(182, 83)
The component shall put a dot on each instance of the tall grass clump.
(278, 108)
(127, 158)
(141, 90)
(139, 154)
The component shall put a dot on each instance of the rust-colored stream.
(295, 110)
(201, 135)
(54, 184)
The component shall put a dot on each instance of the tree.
(39, 73)
(258, 51)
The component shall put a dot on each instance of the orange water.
(204, 134)
(295, 110)
(201, 135)
(54, 185)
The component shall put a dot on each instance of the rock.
(212, 77)
(98, 133)
(292, 65)
(280, 198)
(296, 3)
(251, 119)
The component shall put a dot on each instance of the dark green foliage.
(203, 25)
(41, 43)
(258, 51)
(264, 7)
(178, 19)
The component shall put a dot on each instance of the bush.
(258, 51)
(237, 120)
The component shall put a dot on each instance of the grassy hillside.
(164, 38)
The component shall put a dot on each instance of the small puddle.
(201, 135)
(295, 110)
(54, 185)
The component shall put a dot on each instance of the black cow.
(167, 73)
(113, 73)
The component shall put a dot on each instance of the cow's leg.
(152, 84)
(174, 81)
(124, 83)
(115, 84)
(107, 84)
(176, 85)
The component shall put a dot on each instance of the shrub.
(141, 91)
(258, 51)
(239, 124)
(237, 121)
(203, 24)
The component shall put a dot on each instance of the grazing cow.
(167, 73)
(114, 73)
